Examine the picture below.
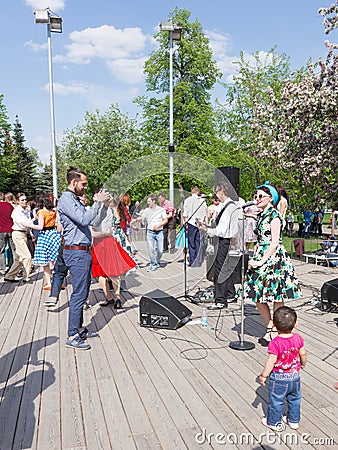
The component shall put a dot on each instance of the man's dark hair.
(152, 197)
(20, 194)
(284, 319)
(74, 173)
(225, 187)
(162, 194)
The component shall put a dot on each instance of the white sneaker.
(217, 306)
(51, 301)
(292, 425)
(278, 427)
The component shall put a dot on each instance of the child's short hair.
(284, 319)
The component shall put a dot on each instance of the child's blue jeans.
(284, 386)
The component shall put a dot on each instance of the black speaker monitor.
(160, 310)
(329, 294)
(231, 173)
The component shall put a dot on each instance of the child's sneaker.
(278, 427)
(292, 425)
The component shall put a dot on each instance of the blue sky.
(98, 58)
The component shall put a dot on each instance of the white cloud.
(121, 49)
(54, 5)
(71, 87)
(106, 42)
(264, 58)
(220, 43)
(128, 70)
(221, 47)
(35, 47)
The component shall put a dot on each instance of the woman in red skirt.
(110, 261)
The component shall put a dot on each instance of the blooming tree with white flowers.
(298, 129)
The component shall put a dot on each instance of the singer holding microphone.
(271, 276)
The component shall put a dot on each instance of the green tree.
(45, 179)
(99, 146)
(248, 92)
(194, 76)
(7, 161)
(25, 177)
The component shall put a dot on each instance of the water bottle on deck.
(204, 319)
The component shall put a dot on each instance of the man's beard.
(79, 192)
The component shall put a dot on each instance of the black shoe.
(106, 302)
(13, 280)
(86, 334)
(232, 300)
(263, 342)
(165, 251)
(117, 304)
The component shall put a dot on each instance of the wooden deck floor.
(141, 388)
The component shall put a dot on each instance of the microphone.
(206, 195)
(247, 204)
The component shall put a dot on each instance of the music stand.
(186, 296)
(241, 344)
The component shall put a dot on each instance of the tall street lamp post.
(174, 35)
(54, 25)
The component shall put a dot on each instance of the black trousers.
(223, 273)
(169, 234)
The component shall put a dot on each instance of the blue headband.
(273, 191)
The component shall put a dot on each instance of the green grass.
(311, 245)
(326, 220)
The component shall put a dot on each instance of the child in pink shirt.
(287, 356)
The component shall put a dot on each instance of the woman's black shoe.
(117, 304)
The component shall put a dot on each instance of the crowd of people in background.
(56, 237)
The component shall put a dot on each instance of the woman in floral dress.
(271, 277)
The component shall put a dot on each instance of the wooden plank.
(34, 331)
(143, 392)
(72, 427)
(176, 371)
(156, 409)
(129, 397)
(19, 344)
(49, 418)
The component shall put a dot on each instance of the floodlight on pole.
(54, 25)
(174, 35)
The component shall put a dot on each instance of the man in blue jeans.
(155, 217)
(75, 220)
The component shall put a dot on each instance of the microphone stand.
(186, 296)
(241, 344)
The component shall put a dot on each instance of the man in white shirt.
(194, 209)
(23, 257)
(226, 229)
(155, 217)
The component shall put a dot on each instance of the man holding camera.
(76, 221)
